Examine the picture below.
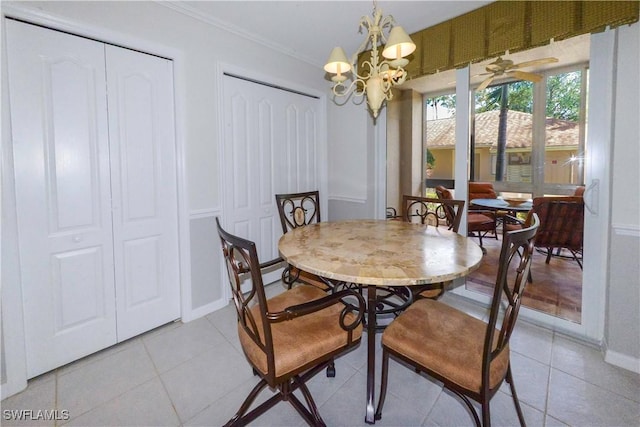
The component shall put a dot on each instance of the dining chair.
(469, 356)
(288, 338)
(297, 210)
(480, 223)
(434, 212)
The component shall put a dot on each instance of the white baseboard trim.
(204, 310)
(623, 361)
(205, 213)
(347, 199)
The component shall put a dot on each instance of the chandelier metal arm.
(382, 74)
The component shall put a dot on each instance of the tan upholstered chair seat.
(300, 341)
(446, 341)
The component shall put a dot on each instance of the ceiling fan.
(501, 67)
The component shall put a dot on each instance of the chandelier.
(377, 76)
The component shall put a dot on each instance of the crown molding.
(187, 10)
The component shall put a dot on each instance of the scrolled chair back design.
(238, 263)
(511, 288)
(426, 214)
(298, 209)
(434, 212)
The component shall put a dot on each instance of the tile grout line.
(164, 386)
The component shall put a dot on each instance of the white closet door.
(61, 160)
(269, 147)
(143, 177)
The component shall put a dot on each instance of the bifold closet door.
(143, 178)
(95, 174)
(270, 147)
(58, 101)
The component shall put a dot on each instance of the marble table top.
(380, 252)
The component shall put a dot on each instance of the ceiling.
(308, 30)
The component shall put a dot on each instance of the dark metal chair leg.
(237, 418)
(383, 384)
(516, 401)
(310, 413)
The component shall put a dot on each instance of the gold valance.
(491, 30)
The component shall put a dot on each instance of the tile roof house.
(559, 133)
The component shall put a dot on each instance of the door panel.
(249, 144)
(77, 280)
(61, 161)
(143, 178)
(269, 147)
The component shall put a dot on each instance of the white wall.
(622, 330)
(350, 178)
(200, 51)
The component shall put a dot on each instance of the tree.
(563, 96)
(446, 102)
(431, 160)
(563, 102)
(520, 98)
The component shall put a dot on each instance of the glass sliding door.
(528, 140)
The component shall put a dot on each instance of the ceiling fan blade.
(535, 62)
(481, 74)
(485, 83)
(523, 75)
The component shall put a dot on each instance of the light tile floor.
(195, 374)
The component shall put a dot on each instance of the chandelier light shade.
(378, 75)
(338, 64)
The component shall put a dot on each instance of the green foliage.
(563, 96)
(431, 160)
(520, 97)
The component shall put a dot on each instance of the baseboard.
(623, 361)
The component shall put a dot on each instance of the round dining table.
(375, 253)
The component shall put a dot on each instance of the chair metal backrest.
(517, 248)
(298, 209)
(241, 258)
(432, 211)
(561, 222)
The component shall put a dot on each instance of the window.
(439, 141)
(525, 150)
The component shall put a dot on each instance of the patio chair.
(481, 190)
(435, 212)
(470, 357)
(561, 225)
(288, 338)
(479, 222)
